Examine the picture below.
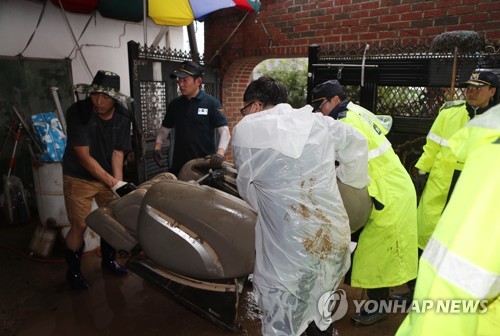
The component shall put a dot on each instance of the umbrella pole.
(145, 22)
(192, 43)
(453, 75)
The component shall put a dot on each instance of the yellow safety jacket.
(386, 254)
(438, 160)
(461, 260)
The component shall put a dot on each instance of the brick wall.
(284, 29)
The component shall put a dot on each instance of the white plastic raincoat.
(286, 172)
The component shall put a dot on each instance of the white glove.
(118, 186)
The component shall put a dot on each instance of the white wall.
(104, 42)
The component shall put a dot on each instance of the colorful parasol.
(184, 12)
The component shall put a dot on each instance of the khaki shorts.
(78, 196)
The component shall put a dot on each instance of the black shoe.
(77, 281)
(405, 298)
(114, 267)
(364, 318)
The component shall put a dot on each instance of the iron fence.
(408, 82)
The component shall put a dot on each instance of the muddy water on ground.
(35, 300)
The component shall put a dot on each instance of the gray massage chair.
(194, 236)
(185, 227)
(192, 229)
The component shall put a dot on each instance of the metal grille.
(389, 50)
(166, 54)
(153, 107)
(407, 81)
(335, 52)
(353, 93)
(423, 102)
(209, 88)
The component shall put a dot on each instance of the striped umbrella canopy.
(184, 12)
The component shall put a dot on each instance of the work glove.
(420, 182)
(216, 161)
(122, 188)
(157, 157)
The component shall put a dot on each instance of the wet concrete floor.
(35, 300)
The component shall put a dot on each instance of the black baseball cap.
(325, 90)
(188, 68)
(482, 78)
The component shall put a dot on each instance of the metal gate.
(152, 90)
(410, 83)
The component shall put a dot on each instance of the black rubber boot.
(313, 330)
(74, 276)
(108, 262)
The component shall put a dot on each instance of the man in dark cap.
(195, 116)
(438, 167)
(386, 253)
(98, 137)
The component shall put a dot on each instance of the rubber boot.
(108, 262)
(74, 276)
(313, 330)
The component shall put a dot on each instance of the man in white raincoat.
(285, 160)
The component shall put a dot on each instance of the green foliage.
(292, 72)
